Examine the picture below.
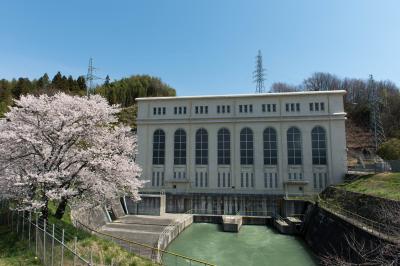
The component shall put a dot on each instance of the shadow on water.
(253, 246)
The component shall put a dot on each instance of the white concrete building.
(258, 144)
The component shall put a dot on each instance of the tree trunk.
(61, 208)
(45, 210)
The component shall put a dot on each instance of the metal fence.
(49, 243)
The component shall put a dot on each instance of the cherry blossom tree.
(69, 149)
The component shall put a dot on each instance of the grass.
(385, 185)
(103, 251)
(13, 251)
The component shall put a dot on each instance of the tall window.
(318, 138)
(224, 146)
(270, 146)
(180, 147)
(294, 146)
(159, 147)
(201, 146)
(246, 146)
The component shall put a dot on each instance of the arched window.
(270, 146)
(180, 147)
(224, 146)
(159, 147)
(201, 147)
(294, 146)
(318, 139)
(246, 146)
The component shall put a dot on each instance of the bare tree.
(360, 252)
(320, 81)
(283, 87)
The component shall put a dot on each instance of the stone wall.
(324, 231)
(364, 205)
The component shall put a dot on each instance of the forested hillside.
(123, 91)
(358, 98)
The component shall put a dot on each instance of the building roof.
(274, 94)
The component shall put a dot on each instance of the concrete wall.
(94, 217)
(244, 204)
(148, 205)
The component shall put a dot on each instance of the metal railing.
(385, 231)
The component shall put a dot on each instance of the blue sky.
(202, 46)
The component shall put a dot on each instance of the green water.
(253, 245)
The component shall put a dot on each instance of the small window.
(153, 179)
(201, 179)
(250, 108)
(240, 108)
(164, 110)
(228, 109)
(206, 109)
(317, 107)
(252, 180)
(270, 180)
(184, 110)
(229, 179)
(223, 109)
(297, 107)
(273, 107)
(247, 179)
(241, 179)
(218, 109)
(180, 110)
(159, 110)
(263, 107)
(196, 109)
(276, 180)
(311, 107)
(223, 179)
(206, 180)
(292, 107)
(197, 180)
(245, 108)
(154, 111)
(201, 109)
(175, 110)
(219, 179)
(269, 108)
(322, 106)
(287, 107)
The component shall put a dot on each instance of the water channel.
(252, 246)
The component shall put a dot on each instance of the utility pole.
(375, 115)
(259, 74)
(90, 77)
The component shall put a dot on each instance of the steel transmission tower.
(90, 77)
(375, 103)
(259, 74)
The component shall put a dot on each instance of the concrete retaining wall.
(148, 205)
(94, 217)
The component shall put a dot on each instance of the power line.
(259, 74)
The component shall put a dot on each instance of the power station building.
(241, 153)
